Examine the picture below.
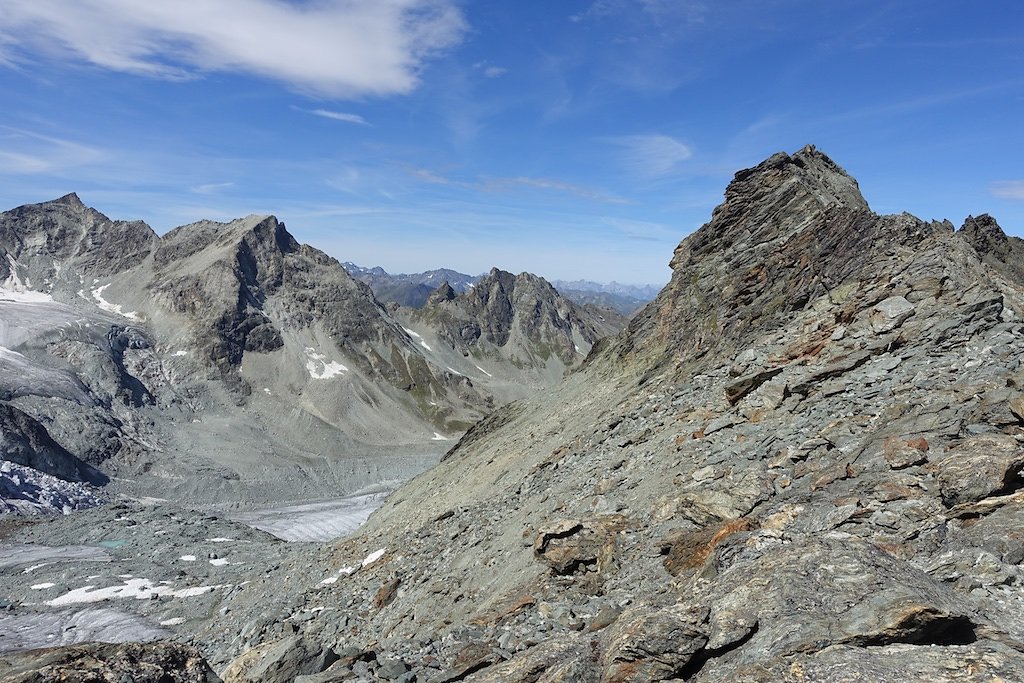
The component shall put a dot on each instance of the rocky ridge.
(415, 289)
(515, 325)
(802, 461)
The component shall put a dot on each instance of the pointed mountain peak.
(70, 199)
(441, 294)
(984, 234)
(806, 172)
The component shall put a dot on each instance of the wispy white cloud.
(210, 188)
(334, 48)
(1008, 189)
(651, 155)
(506, 184)
(497, 184)
(490, 70)
(26, 152)
(659, 10)
(338, 116)
(431, 177)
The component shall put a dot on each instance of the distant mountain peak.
(71, 199)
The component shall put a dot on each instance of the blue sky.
(576, 138)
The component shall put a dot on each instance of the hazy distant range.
(412, 289)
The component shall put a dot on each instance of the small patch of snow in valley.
(173, 622)
(319, 367)
(41, 586)
(453, 371)
(219, 562)
(179, 353)
(418, 337)
(97, 294)
(483, 371)
(187, 558)
(139, 589)
(373, 557)
(439, 437)
(13, 289)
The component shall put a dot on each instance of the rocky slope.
(802, 461)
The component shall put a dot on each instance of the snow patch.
(13, 289)
(220, 539)
(112, 308)
(179, 353)
(373, 557)
(319, 367)
(418, 337)
(453, 371)
(140, 589)
(439, 437)
(483, 371)
(329, 580)
(187, 558)
(219, 562)
(41, 586)
(176, 621)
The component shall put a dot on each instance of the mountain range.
(413, 289)
(802, 461)
(167, 363)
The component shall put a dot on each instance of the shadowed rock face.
(26, 442)
(802, 461)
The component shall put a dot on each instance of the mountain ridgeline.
(169, 361)
(415, 289)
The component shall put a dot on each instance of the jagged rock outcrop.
(156, 662)
(802, 461)
(518, 317)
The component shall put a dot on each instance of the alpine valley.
(802, 461)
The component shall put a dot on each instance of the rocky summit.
(800, 462)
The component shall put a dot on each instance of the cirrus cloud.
(331, 48)
(1008, 189)
(651, 155)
